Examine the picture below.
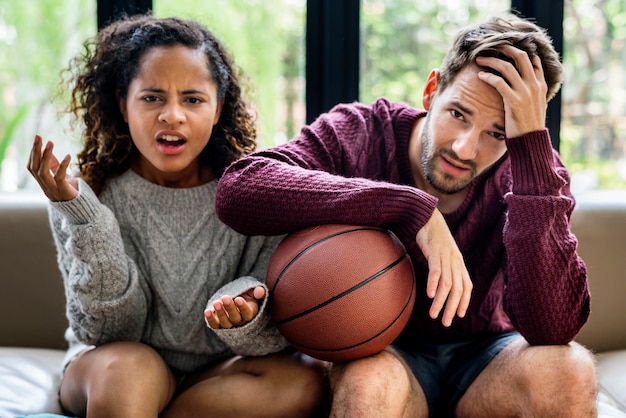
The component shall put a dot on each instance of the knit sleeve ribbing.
(104, 300)
(547, 296)
(335, 171)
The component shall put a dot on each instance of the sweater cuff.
(234, 289)
(257, 337)
(411, 207)
(532, 164)
(84, 208)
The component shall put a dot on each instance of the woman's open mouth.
(171, 144)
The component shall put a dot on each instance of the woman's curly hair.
(103, 72)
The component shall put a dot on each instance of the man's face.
(463, 133)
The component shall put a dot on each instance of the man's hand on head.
(523, 89)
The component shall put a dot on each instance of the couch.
(32, 320)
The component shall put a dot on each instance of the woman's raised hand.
(50, 174)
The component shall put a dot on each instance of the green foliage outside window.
(402, 40)
(37, 38)
(593, 137)
(266, 39)
(405, 39)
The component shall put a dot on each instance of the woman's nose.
(172, 114)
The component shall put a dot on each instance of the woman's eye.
(150, 98)
(194, 100)
(499, 135)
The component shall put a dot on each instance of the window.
(593, 125)
(37, 39)
(400, 42)
(266, 39)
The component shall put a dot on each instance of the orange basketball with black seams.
(341, 292)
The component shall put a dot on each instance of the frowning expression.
(463, 133)
(171, 108)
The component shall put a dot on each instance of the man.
(473, 188)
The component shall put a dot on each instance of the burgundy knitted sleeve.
(335, 171)
(547, 296)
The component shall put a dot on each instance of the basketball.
(340, 292)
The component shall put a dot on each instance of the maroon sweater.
(352, 166)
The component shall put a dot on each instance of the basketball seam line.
(345, 292)
(330, 350)
(326, 238)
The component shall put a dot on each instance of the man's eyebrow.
(471, 113)
(463, 108)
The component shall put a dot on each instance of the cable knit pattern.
(352, 166)
(142, 262)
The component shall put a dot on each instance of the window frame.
(333, 44)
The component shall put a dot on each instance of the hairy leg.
(382, 385)
(534, 381)
(273, 386)
(120, 379)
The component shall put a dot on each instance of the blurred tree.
(266, 40)
(403, 40)
(37, 38)
(594, 101)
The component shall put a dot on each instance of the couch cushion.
(29, 380)
(30, 273)
(612, 377)
(607, 408)
(599, 222)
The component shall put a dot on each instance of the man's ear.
(121, 102)
(430, 89)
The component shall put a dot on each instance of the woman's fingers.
(50, 173)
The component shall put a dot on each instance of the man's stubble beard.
(444, 183)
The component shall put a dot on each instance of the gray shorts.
(445, 371)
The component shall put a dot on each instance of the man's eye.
(456, 114)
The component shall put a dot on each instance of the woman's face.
(171, 108)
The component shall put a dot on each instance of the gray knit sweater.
(143, 262)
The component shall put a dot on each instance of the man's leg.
(379, 386)
(533, 381)
(285, 384)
